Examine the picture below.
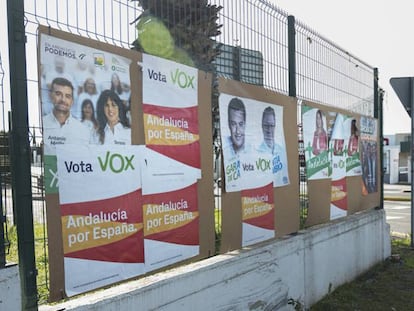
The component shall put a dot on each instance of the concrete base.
(10, 291)
(299, 269)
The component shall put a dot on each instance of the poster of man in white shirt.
(59, 126)
(253, 143)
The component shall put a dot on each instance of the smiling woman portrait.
(113, 125)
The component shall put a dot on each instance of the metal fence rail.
(330, 75)
(256, 49)
(3, 190)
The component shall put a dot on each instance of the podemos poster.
(315, 139)
(76, 82)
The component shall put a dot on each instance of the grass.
(387, 286)
(217, 221)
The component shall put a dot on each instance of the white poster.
(101, 208)
(85, 97)
(170, 95)
(253, 143)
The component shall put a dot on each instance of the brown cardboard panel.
(137, 125)
(286, 198)
(287, 219)
(319, 198)
(205, 184)
(55, 248)
(373, 200)
(319, 190)
(354, 188)
(231, 221)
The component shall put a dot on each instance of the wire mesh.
(331, 76)
(259, 31)
(255, 50)
(3, 163)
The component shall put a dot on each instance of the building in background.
(397, 158)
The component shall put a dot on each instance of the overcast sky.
(379, 32)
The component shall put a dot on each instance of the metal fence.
(262, 44)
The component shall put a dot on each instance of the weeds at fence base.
(42, 262)
(387, 286)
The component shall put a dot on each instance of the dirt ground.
(387, 286)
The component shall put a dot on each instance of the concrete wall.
(10, 292)
(301, 268)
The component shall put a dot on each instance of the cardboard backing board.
(319, 191)
(354, 186)
(205, 184)
(286, 198)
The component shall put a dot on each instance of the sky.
(379, 32)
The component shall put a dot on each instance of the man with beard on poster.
(269, 146)
(59, 126)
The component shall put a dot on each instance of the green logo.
(116, 162)
(182, 79)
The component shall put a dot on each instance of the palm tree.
(185, 30)
(192, 25)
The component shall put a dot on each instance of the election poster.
(253, 143)
(315, 139)
(163, 175)
(369, 156)
(77, 84)
(353, 161)
(338, 207)
(101, 214)
(257, 215)
(171, 224)
(170, 107)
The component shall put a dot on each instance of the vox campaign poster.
(171, 225)
(160, 174)
(337, 150)
(369, 156)
(315, 139)
(353, 161)
(72, 80)
(257, 215)
(253, 143)
(170, 107)
(101, 214)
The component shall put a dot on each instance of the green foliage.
(217, 221)
(387, 286)
(154, 37)
(191, 23)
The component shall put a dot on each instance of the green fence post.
(378, 98)
(292, 55)
(2, 220)
(20, 153)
